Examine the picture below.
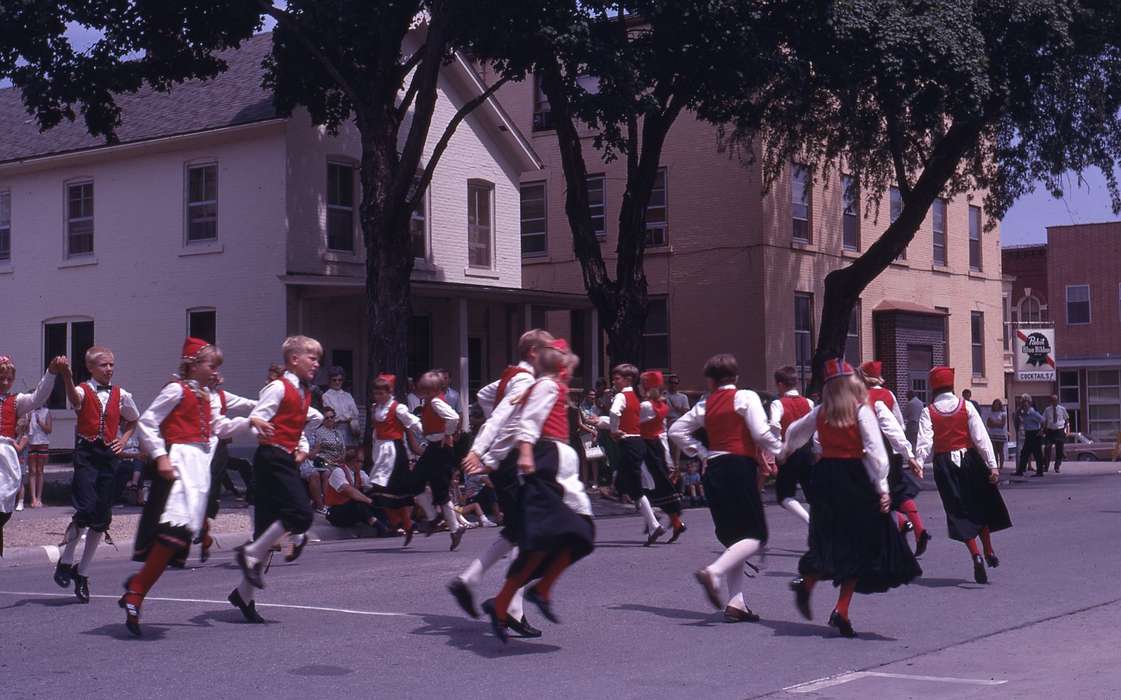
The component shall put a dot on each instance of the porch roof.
(451, 290)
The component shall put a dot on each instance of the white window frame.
(1093, 402)
(807, 368)
(945, 261)
(662, 240)
(202, 310)
(188, 204)
(850, 209)
(80, 370)
(68, 221)
(544, 219)
(6, 227)
(1039, 309)
(425, 219)
(980, 239)
(350, 165)
(475, 185)
(1089, 305)
(801, 196)
(601, 233)
(647, 335)
(977, 342)
(854, 332)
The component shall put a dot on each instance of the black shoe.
(1057, 468)
(653, 536)
(82, 588)
(979, 573)
(297, 548)
(132, 614)
(736, 615)
(462, 594)
(908, 526)
(428, 527)
(523, 628)
(204, 549)
(63, 575)
(408, 537)
(677, 532)
(457, 537)
(992, 560)
(801, 597)
(842, 624)
(252, 574)
(921, 543)
(709, 584)
(248, 610)
(495, 624)
(543, 605)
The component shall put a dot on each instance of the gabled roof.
(233, 97)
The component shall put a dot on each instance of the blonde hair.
(841, 399)
(300, 343)
(870, 380)
(430, 381)
(533, 339)
(95, 352)
(210, 353)
(653, 393)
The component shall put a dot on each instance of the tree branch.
(425, 80)
(895, 143)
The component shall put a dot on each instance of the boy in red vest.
(626, 430)
(436, 466)
(516, 378)
(282, 413)
(652, 427)
(795, 472)
(107, 417)
(965, 470)
(12, 407)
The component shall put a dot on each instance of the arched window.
(1030, 311)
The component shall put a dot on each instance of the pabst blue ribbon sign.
(1035, 354)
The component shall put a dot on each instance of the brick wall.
(1086, 254)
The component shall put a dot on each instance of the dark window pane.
(420, 345)
(54, 344)
(204, 325)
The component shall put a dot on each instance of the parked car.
(1086, 449)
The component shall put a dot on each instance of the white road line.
(848, 677)
(368, 613)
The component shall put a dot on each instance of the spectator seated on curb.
(347, 505)
(328, 450)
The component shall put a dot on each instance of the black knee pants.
(281, 494)
(94, 487)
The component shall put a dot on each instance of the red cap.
(873, 368)
(560, 344)
(837, 368)
(942, 378)
(652, 379)
(391, 378)
(192, 347)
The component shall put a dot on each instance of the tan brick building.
(732, 269)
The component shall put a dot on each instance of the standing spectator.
(23, 439)
(40, 429)
(997, 425)
(411, 399)
(451, 394)
(967, 394)
(678, 401)
(328, 450)
(1032, 423)
(130, 472)
(1056, 426)
(342, 403)
(912, 411)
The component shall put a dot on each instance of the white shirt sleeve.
(799, 433)
(535, 411)
(25, 403)
(268, 401)
(681, 432)
(898, 412)
(338, 480)
(238, 404)
(449, 414)
(487, 435)
(875, 457)
(618, 403)
(409, 421)
(486, 398)
(925, 442)
(749, 406)
(151, 441)
(129, 412)
(223, 427)
(893, 430)
(646, 412)
(980, 436)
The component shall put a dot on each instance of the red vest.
(556, 423)
(189, 422)
(628, 422)
(793, 408)
(8, 416)
(430, 421)
(878, 393)
(504, 381)
(290, 418)
(333, 498)
(93, 424)
(653, 428)
(839, 443)
(951, 431)
(390, 428)
(726, 430)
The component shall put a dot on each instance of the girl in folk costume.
(180, 432)
(556, 515)
(12, 408)
(965, 470)
(436, 466)
(229, 404)
(903, 483)
(736, 424)
(626, 429)
(853, 539)
(390, 474)
(787, 408)
(652, 427)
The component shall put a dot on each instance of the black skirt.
(902, 484)
(733, 499)
(150, 530)
(507, 491)
(970, 501)
(397, 492)
(632, 451)
(849, 537)
(795, 472)
(663, 495)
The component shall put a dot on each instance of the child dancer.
(795, 472)
(230, 404)
(503, 414)
(180, 432)
(736, 424)
(436, 466)
(903, 484)
(12, 407)
(282, 413)
(626, 430)
(652, 427)
(556, 515)
(853, 540)
(965, 470)
(106, 420)
(390, 475)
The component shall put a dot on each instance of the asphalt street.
(365, 618)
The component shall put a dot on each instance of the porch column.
(528, 318)
(463, 386)
(593, 338)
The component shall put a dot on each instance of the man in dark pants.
(1032, 422)
(1055, 428)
